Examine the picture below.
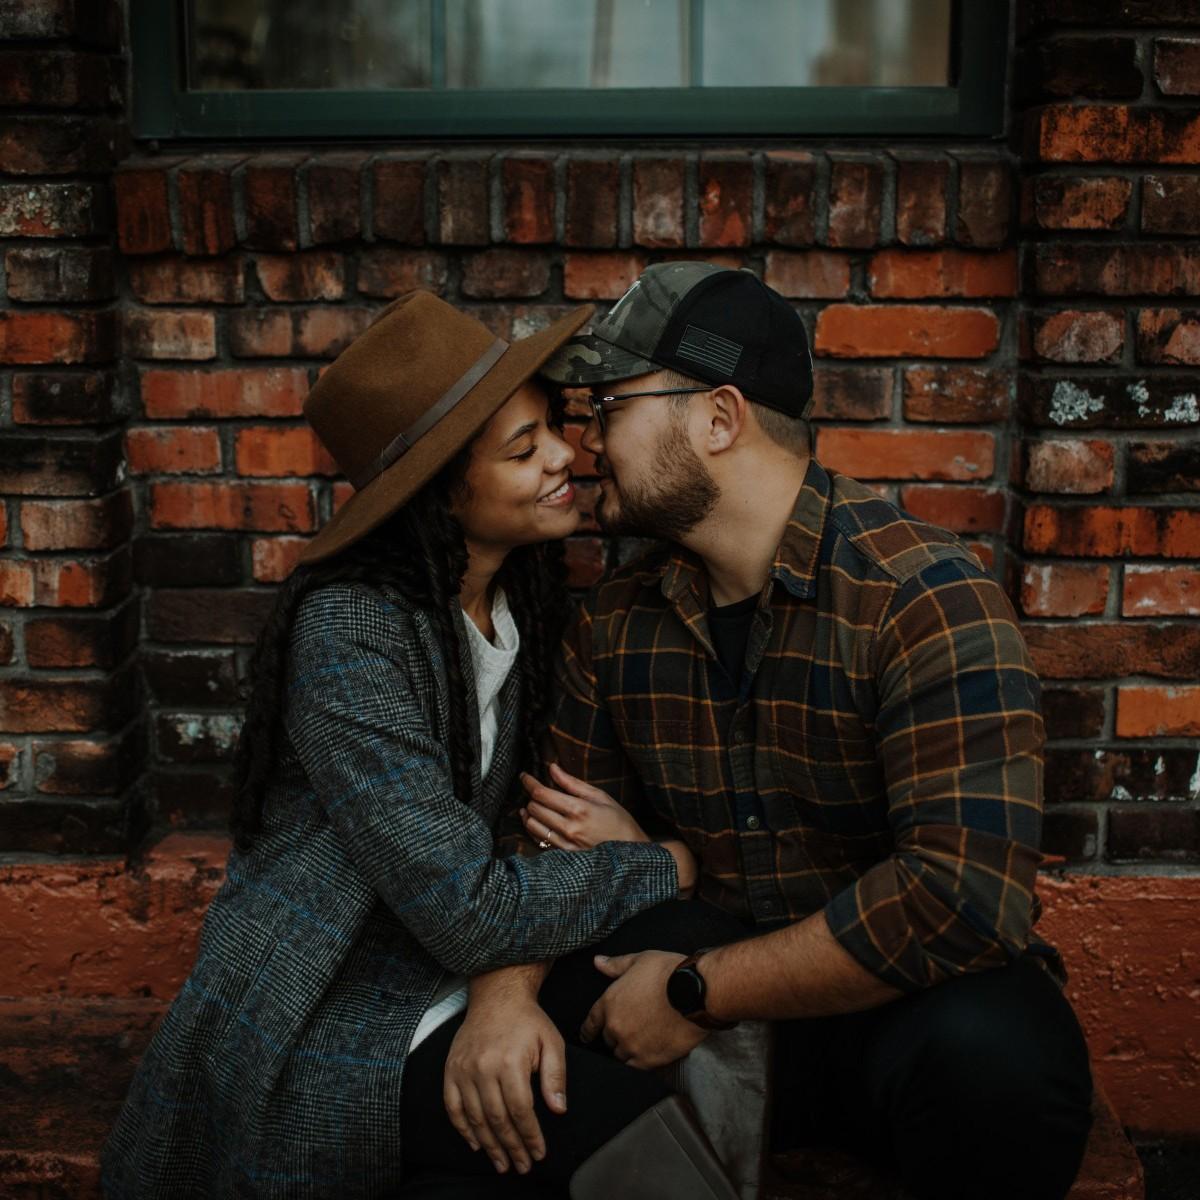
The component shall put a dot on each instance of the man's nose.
(592, 439)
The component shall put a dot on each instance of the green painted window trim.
(164, 110)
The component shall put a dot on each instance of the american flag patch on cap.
(709, 349)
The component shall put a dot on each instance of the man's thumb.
(614, 968)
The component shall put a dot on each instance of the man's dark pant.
(978, 1087)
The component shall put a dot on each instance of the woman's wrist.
(685, 865)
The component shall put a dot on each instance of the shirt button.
(753, 822)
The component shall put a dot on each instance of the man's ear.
(727, 417)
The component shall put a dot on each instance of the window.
(567, 68)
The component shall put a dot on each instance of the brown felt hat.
(406, 395)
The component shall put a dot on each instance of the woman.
(398, 686)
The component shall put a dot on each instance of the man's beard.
(682, 495)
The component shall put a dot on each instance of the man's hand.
(634, 1016)
(487, 1089)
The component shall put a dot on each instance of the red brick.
(1155, 269)
(907, 453)
(921, 200)
(500, 273)
(54, 210)
(296, 332)
(1177, 66)
(3, 536)
(66, 704)
(66, 398)
(276, 451)
(658, 189)
(1101, 532)
(173, 451)
(1071, 467)
(1169, 335)
(272, 209)
(584, 462)
(222, 616)
(1074, 67)
(177, 280)
(726, 201)
(60, 464)
(1081, 202)
(81, 639)
(601, 276)
(852, 394)
(16, 583)
(585, 561)
(334, 197)
(86, 768)
(1113, 133)
(52, 79)
(58, 145)
(905, 330)
(957, 395)
(915, 274)
(66, 583)
(1158, 712)
(959, 509)
(1158, 467)
(855, 194)
(790, 189)
(308, 275)
(265, 507)
(1114, 650)
(248, 392)
(399, 182)
(1171, 204)
(340, 493)
(206, 204)
(161, 334)
(275, 558)
(10, 765)
(462, 189)
(1063, 589)
(59, 274)
(1077, 336)
(387, 272)
(592, 201)
(808, 274)
(1158, 591)
(527, 187)
(76, 524)
(56, 337)
(97, 23)
(984, 202)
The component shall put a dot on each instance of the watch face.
(685, 990)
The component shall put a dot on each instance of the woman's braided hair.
(421, 553)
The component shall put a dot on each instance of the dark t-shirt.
(730, 627)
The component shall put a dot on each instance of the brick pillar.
(1110, 471)
(70, 745)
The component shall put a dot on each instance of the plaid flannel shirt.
(879, 759)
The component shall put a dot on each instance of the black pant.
(973, 1089)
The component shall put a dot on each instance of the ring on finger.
(545, 843)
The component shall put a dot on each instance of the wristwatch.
(686, 993)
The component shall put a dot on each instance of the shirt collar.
(796, 558)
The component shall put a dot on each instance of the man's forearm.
(508, 983)
(799, 971)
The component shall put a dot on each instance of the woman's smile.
(562, 497)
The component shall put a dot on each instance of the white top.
(492, 662)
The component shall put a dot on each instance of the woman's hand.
(573, 815)
(487, 1089)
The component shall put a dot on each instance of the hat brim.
(588, 359)
(388, 492)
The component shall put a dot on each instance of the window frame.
(163, 109)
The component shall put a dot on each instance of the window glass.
(580, 44)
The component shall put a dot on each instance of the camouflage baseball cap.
(712, 323)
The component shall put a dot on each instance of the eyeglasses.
(600, 403)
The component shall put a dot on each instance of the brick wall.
(1002, 337)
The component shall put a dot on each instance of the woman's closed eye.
(525, 453)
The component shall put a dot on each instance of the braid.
(421, 553)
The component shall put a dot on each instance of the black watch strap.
(686, 991)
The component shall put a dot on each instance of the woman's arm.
(358, 673)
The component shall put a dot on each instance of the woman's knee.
(681, 926)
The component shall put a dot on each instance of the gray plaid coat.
(278, 1069)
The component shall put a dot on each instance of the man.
(832, 704)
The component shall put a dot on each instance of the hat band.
(403, 442)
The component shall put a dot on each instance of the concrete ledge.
(92, 928)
